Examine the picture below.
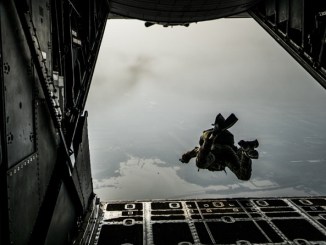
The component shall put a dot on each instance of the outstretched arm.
(188, 155)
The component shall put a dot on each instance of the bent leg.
(244, 172)
(237, 162)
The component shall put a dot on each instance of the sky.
(156, 89)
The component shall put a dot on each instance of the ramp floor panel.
(214, 221)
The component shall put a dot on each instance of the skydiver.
(216, 150)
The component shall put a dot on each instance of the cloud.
(140, 68)
(151, 178)
(141, 178)
(115, 77)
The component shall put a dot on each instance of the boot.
(246, 145)
(252, 154)
(222, 124)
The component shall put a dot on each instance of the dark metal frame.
(42, 71)
(4, 218)
(87, 56)
(64, 60)
(302, 44)
(68, 51)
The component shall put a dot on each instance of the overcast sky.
(154, 90)
(222, 51)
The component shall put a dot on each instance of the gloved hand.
(185, 158)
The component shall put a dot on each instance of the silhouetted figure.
(217, 150)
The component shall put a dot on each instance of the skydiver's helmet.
(222, 124)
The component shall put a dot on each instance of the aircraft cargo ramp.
(211, 221)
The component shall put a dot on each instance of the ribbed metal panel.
(179, 11)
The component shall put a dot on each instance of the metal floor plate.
(214, 221)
